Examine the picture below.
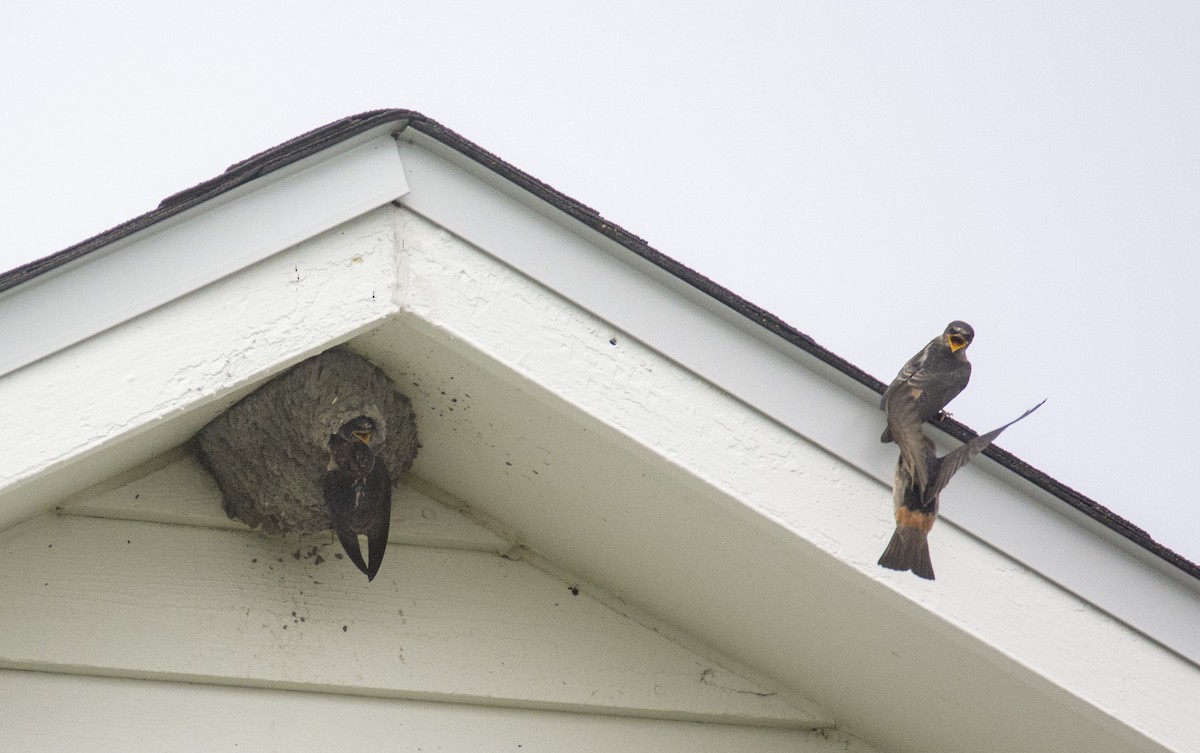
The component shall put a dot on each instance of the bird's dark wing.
(340, 494)
(939, 384)
(379, 492)
(905, 429)
(907, 371)
(959, 457)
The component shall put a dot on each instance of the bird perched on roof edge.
(919, 480)
(936, 374)
(358, 492)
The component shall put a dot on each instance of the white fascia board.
(129, 393)
(198, 246)
(790, 386)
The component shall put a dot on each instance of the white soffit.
(816, 401)
(198, 246)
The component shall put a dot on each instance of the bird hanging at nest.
(358, 491)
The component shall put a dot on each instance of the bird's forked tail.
(908, 550)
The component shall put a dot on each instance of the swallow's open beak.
(362, 436)
(956, 342)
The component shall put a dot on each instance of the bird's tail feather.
(908, 550)
(377, 545)
(350, 544)
(380, 482)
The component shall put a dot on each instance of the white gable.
(643, 438)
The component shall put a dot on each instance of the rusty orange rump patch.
(914, 519)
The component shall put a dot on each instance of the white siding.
(149, 580)
(45, 713)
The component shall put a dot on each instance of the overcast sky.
(866, 171)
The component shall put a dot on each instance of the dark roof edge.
(322, 138)
(237, 174)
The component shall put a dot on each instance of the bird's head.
(958, 335)
(361, 429)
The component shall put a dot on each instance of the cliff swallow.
(358, 491)
(935, 375)
(916, 489)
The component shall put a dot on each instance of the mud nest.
(269, 451)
